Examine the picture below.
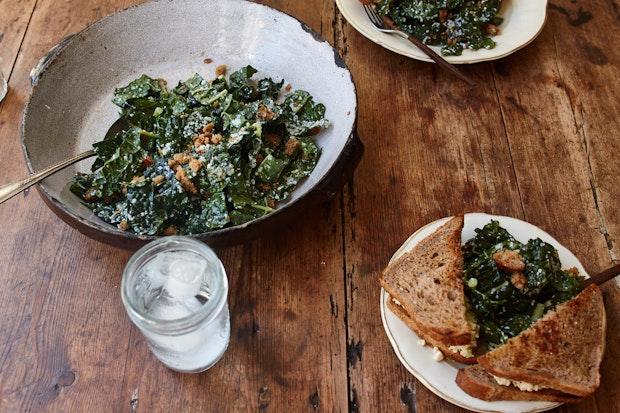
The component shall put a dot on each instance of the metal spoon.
(10, 190)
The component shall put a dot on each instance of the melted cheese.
(465, 351)
(521, 385)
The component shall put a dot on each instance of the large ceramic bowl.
(70, 107)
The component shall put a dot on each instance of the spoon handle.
(10, 190)
(603, 276)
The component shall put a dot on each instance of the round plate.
(523, 20)
(439, 377)
(70, 106)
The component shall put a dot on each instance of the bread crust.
(402, 314)
(478, 383)
(514, 360)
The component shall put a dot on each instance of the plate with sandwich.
(491, 314)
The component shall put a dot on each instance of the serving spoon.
(9, 191)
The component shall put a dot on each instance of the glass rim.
(180, 325)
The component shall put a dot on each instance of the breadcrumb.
(509, 260)
(221, 70)
(264, 113)
(181, 158)
(90, 195)
(208, 128)
(518, 279)
(158, 179)
(291, 146)
(217, 138)
(171, 230)
(195, 165)
(186, 183)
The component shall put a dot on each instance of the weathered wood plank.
(15, 18)
(433, 148)
(66, 339)
(545, 126)
(533, 167)
(287, 339)
(564, 151)
(588, 66)
(59, 300)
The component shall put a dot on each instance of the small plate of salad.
(462, 31)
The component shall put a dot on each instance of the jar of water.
(175, 291)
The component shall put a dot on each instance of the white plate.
(439, 377)
(523, 20)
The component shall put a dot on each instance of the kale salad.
(509, 285)
(453, 24)
(204, 155)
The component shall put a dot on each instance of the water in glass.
(175, 291)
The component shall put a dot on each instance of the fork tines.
(373, 16)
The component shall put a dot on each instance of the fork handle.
(9, 191)
(443, 63)
(603, 276)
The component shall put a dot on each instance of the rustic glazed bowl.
(70, 107)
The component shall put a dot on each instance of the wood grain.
(588, 79)
(554, 174)
(15, 18)
(71, 347)
(538, 141)
(441, 149)
(60, 298)
(433, 148)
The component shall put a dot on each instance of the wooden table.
(539, 140)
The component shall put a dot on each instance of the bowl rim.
(108, 232)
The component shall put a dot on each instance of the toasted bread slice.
(562, 350)
(427, 282)
(402, 314)
(476, 382)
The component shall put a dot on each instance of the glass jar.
(4, 86)
(175, 290)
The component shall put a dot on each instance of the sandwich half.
(557, 358)
(426, 292)
(476, 382)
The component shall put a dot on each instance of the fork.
(387, 25)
